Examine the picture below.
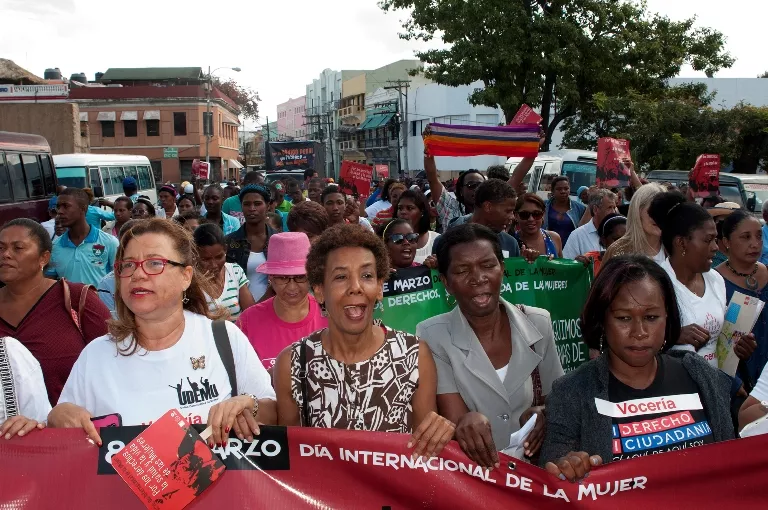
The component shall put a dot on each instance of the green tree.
(558, 55)
(245, 98)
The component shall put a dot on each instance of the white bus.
(104, 173)
(579, 166)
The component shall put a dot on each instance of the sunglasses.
(284, 280)
(525, 215)
(473, 184)
(401, 238)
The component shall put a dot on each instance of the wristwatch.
(255, 403)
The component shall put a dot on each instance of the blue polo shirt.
(230, 223)
(87, 263)
(94, 215)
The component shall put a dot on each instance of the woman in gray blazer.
(495, 361)
(637, 398)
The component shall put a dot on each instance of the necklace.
(30, 291)
(750, 279)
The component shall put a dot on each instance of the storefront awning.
(106, 116)
(233, 163)
(377, 120)
(151, 114)
(129, 116)
(83, 116)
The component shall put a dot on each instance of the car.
(578, 165)
(732, 186)
(272, 177)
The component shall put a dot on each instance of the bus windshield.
(72, 176)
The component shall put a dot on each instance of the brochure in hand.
(168, 464)
(740, 317)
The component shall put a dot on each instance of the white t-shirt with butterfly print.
(188, 376)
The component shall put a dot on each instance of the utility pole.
(403, 120)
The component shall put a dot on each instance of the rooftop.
(114, 74)
(17, 75)
(147, 92)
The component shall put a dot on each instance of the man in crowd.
(283, 205)
(131, 188)
(50, 225)
(585, 238)
(232, 206)
(83, 254)
(293, 191)
(495, 208)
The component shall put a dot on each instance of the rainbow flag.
(521, 140)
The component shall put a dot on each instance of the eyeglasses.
(524, 215)
(473, 184)
(285, 280)
(401, 238)
(152, 267)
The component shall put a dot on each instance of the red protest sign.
(199, 169)
(382, 171)
(611, 170)
(704, 179)
(355, 179)
(526, 115)
(168, 464)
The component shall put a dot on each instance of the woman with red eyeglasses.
(162, 350)
(529, 216)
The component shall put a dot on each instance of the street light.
(208, 117)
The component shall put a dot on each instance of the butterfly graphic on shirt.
(198, 363)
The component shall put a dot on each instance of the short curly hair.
(345, 235)
(308, 216)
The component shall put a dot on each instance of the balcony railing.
(380, 143)
(349, 145)
(350, 111)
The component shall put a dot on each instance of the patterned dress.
(373, 395)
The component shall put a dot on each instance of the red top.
(50, 334)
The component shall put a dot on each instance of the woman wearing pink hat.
(293, 313)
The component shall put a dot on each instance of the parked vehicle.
(272, 177)
(104, 173)
(731, 185)
(756, 190)
(579, 166)
(27, 178)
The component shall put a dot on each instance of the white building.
(446, 105)
(731, 91)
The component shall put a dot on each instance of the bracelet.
(255, 403)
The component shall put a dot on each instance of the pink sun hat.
(286, 255)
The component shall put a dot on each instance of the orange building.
(159, 113)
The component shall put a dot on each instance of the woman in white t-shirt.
(690, 238)
(161, 353)
(227, 279)
(25, 405)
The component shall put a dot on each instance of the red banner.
(316, 468)
(526, 115)
(355, 179)
(382, 171)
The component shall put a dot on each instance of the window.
(50, 187)
(16, 175)
(131, 171)
(131, 127)
(108, 128)
(113, 180)
(179, 124)
(145, 177)
(95, 179)
(5, 184)
(487, 119)
(153, 127)
(33, 174)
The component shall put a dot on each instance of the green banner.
(560, 286)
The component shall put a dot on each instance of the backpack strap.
(75, 315)
(224, 346)
(303, 383)
(538, 398)
(10, 402)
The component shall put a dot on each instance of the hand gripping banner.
(299, 468)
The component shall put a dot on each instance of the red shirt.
(50, 334)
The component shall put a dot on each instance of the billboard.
(292, 156)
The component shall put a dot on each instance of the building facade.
(291, 120)
(161, 115)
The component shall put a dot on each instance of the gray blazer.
(463, 367)
(573, 423)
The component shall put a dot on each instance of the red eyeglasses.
(152, 267)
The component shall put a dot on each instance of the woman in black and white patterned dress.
(356, 375)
